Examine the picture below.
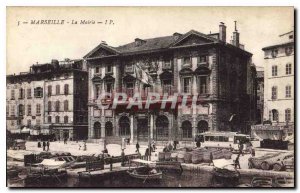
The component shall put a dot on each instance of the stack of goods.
(197, 156)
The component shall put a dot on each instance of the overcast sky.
(28, 44)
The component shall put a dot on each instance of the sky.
(28, 44)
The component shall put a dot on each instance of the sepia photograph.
(156, 97)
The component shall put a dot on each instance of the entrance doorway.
(142, 129)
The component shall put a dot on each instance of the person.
(211, 157)
(147, 154)
(170, 147)
(241, 148)
(48, 145)
(230, 147)
(44, 145)
(252, 152)
(39, 144)
(237, 162)
(153, 146)
(84, 146)
(175, 144)
(105, 151)
(79, 146)
(137, 147)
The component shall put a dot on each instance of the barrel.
(167, 156)
(180, 156)
(188, 158)
(161, 156)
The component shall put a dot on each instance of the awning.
(45, 131)
(34, 132)
(25, 130)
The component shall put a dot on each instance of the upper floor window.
(66, 119)
(38, 122)
(49, 90)
(288, 50)
(129, 89)
(66, 105)
(57, 119)
(203, 84)
(186, 61)
(97, 90)
(38, 109)
(97, 70)
(109, 87)
(167, 86)
(66, 89)
(12, 94)
(108, 68)
(57, 105)
(21, 110)
(57, 89)
(21, 93)
(49, 119)
(274, 92)
(274, 53)
(38, 92)
(49, 106)
(12, 110)
(287, 114)
(187, 85)
(274, 70)
(28, 109)
(275, 115)
(29, 123)
(29, 93)
(288, 68)
(288, 91)
(202, 59)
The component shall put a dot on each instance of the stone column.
(103, 128)
(131, 129)
(151, 126)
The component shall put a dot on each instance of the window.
(66, 89)
(29, 123)
(288, 91)
(186, 85)
(12, 97)
(49, 119)
(97, 90)
(57, 89)
(109, 87)
(66, 119)
(66, 105)
(109, 69)
(129, 89)
(12, 110)
(287, 115)
(288, 69)
(21, 110)
(167, 87)
(38, 109)
(186, 129)
(187, 61)
(38, 122)
(274, 92)
(49, 106)
(57, 105)
(38, 92)
(288, 50)
(202, 59)
(57, 119)
(270, 115)
(21, 93)
(274, 53)
(49, 90)
(29, 93)
(291, 37)
(274, 70)
(275, 115)
(203, 84)
(97, 70)
(28, 109)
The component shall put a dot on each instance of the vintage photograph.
(132, 97)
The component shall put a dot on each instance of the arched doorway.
(108, 128)
(162, 128)
(186, 127)
(124, 126)
(97, 130)
(202, 127)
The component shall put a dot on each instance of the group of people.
(46, 145)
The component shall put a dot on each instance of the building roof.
(277, 45)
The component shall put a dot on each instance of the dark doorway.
(142, 129)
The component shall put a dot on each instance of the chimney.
(104, 43)
(236, 36)
(176, 35)
(222, 32)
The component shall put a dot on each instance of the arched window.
(162, 127)
(66, 105)
(186, 129)
(288, 68)
(57, 105)
(49, 106)
(275, 115)
(108, 128)
(57, 89)
(66, 119)
(202, 126)
(97, 130)
(124, 126)
(66, 89)
(287, 115)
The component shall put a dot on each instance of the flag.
(142, 75)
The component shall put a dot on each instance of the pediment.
(101, 51)
(192, 38)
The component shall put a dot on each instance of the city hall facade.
(219, 74)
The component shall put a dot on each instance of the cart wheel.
(277, 167)
(265, 166)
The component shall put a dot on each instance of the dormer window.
(288, 50)
(274, 53)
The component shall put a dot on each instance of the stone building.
(260, 97)
(218, 74)
(279, 81)
(49, 99)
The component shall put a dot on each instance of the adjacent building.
(219, 74)
(279, 81)
(49, 99)
(260, 97)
